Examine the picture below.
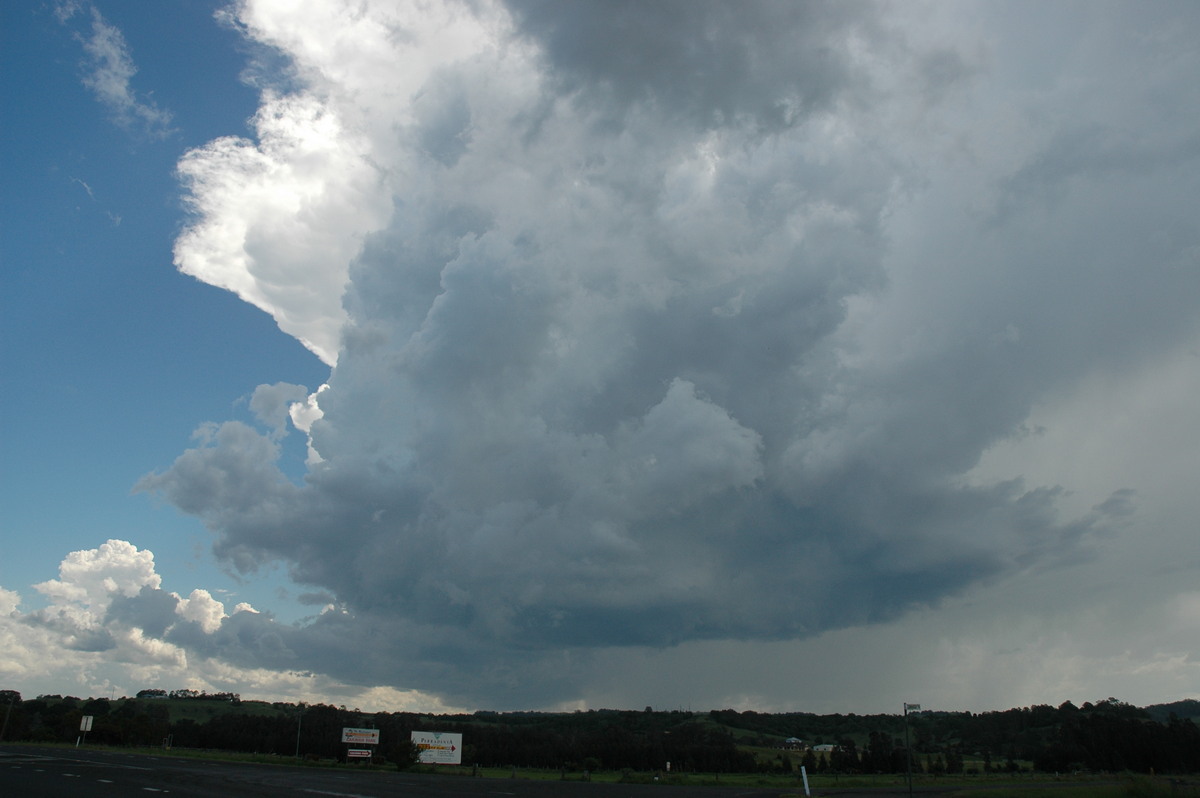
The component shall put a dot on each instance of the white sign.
(438, 748)
(85, 723)
(359, 753)
(360, 736)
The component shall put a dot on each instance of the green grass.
(1133, 787)
(1082, 791)
(989, 786)
(996, 785)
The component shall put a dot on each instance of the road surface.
(45, 772)
(34, 772)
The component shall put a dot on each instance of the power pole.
(907, 747)
(299, 723)
(12, 699)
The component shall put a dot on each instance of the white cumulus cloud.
(110, 627)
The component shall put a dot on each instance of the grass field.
(1025, 785)
(1132, 788)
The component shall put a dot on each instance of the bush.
(405, 755)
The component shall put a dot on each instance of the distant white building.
(823, 748)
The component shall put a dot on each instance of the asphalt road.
(38, 772)
(32, 772)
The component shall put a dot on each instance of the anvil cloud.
(658, 324)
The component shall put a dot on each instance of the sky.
(505, 355)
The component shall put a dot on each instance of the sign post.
(85, 726)
(438, 748)
(360, 737)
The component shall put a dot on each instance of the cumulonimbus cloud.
(654, 324)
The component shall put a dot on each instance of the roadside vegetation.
(1099, 747)
(995, 785)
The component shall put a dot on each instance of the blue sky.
(111, 356)
(666, 354)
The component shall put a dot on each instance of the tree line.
(199, 695)
(1106, 736)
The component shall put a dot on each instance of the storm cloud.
(660, 323)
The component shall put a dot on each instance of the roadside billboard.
(360, 736)
(438, 748)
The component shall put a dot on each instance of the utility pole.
(907, 747)
(12, 699)
(299, 723)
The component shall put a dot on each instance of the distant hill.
(1188, 709)
(1107, 736)
(202, 710)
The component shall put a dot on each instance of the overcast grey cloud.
(673, 325)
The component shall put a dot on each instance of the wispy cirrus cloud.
(109, 70)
